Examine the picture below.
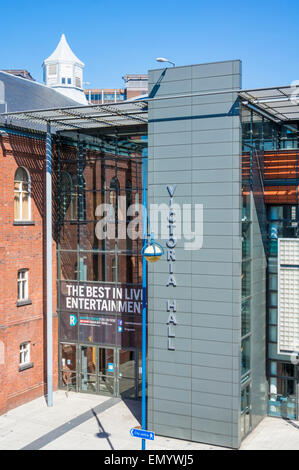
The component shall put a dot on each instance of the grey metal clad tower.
(194, 389)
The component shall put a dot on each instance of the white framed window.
(22, 285)
(25, 353)
(22, 195)
(52, 69)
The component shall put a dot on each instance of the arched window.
(129, 193)
(68, 197)
(129, 201)
(81, 190)
(113, 199)
(114, 191)
(22, 199)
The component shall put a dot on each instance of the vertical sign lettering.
(171, 244)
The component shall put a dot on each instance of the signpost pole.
(144, 298)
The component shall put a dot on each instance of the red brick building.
(22, 289)
(23, 253)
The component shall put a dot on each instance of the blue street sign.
(150, 436)
(110, 367)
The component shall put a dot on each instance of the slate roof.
(20, 94)
(24, 95)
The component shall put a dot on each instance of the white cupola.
(64, 72)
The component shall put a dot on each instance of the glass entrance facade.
(278, 146)
(99, 195)
(100, 370)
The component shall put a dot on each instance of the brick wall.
(22, 246)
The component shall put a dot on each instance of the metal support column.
(144, 298)
(49, 265)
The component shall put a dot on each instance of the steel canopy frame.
(84, 117)
(281, 102)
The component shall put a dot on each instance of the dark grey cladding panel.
(194, 143)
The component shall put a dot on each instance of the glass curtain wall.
(97, 180)
(253, 130)
(282, 223)
(247, 132)
(263, 137)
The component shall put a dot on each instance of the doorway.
(97, 370)
(246, 426)
(100, 370)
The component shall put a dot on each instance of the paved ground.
(85, 422)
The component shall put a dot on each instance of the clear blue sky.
(114, 38)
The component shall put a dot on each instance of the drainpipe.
(49, 265)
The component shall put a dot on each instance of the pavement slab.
(92, 422)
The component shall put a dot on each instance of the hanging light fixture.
(152, 251)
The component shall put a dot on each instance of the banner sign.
(122, 331)
(101, 313)
(91, 297)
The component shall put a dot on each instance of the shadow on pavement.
(289, 421)
(102, 434)
(135, 407)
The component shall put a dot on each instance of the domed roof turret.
(64, 72)
(63, 53)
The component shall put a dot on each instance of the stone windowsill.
(23, 222)
(23, 303)
(30, 365)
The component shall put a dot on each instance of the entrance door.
(97, 370)
(106, 371)
(127, 373)
(88, 369)
(246, 411)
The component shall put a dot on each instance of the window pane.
(286, 387)
(106, 357)
(68, 357)
(273, 368)
(285, 370)
(273, 334)
(96, 267)
(69, 265)
(245, 317)
(245, 349)
(24, 353)
(246, 279)
(23, 290)
(273, 282)
(246, 231)
(88, 359)
(273, 316)
(21, 175)
(273, 298)
(25, 206)
(17, 206)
